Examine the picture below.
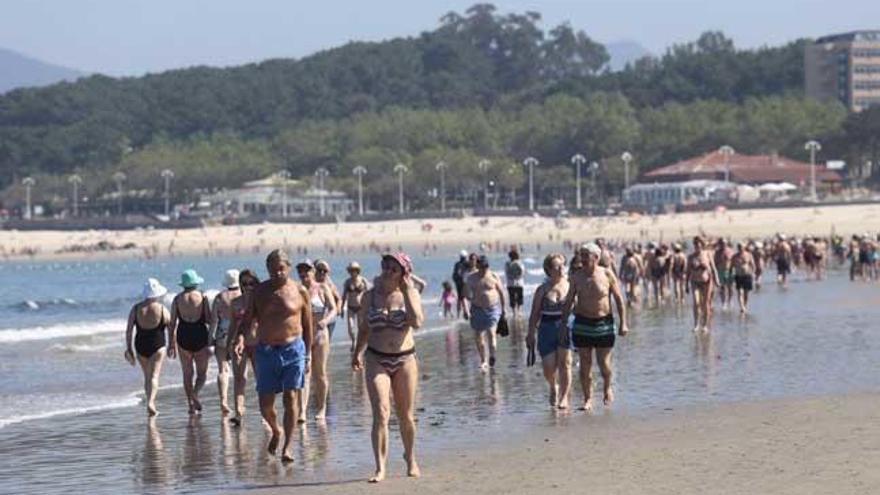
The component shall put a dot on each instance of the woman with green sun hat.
(190, 324)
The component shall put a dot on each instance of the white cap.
(592, 248)
(463, 253)
(153, 289)
(230, 279)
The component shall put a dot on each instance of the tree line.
(483, 85)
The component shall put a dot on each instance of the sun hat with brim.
(230, 279)
(322, 264)
(354, 265)
(190, 278)
(305, 264)
(153, 289)
(402, 259)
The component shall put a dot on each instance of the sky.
(133, 37)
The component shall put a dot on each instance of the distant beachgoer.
(678, 271)
(514, 273)
(744, 275)
(723, 264)
(447, 299)
(190, 322)
(222, 318)
(590, 292)
(322, 276)
(606, 260)
(702, 278)
(459, 271)
(324, 309)
(150, 320)
(247, 280)
(783, 257)
(391, 312)
(544, 321)
(630, 272)
(486, 296)
(280, 309)
(352, 292)
(757, 250)
(659, 272)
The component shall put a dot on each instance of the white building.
(677, 193)
(271, 195)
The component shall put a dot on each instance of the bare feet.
(697, 329)
(412, 468)
(235, 420)
(151, 411)
(273, 443)
(286, 457)
(609, 397)
(553, 397)
(320, 415)
(588, 406)
(379, 476)
(484, 367)
(196, 406)
(563, 404)
(224, 410)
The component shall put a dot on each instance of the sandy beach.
(418, 235)
(799, 446)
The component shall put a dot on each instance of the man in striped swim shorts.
(589, 299)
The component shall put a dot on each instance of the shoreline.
(798, 445)
(435, 234)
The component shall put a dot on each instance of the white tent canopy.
(777, 187)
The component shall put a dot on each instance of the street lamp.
(75, 180)
(119, 177)
(28, 183)
(578, 160)
(167, 175)
(594, 171)
(322, 174)
(400, 169)
(441, 167)
(359, 171)
(283, 176)
(813, 147)
(727, 152)
(627, 158)
(531, 162)
(484, 168)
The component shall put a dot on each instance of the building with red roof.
(744, 169)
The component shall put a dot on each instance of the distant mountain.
(624, 52)
(18, 71)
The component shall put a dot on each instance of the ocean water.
(72, 416)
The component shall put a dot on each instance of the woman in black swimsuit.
(190, 321)
(149, 317)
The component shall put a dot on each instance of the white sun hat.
(153, 289)
(230, 279)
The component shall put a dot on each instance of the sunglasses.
(321, 270)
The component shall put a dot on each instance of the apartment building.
(845, 67)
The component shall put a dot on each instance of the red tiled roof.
(745, 169)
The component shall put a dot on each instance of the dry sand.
(800, 446)
(445, 233)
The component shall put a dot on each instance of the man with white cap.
(589, 299)
(222, 312)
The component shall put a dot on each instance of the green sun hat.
(190, 279)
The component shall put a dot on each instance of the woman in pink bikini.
(390, 313)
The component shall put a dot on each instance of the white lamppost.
(531, 162)
(28, 183)
(400, 169)
(627, 158)
(727, 152)
(119, 178)
(360, 171)
(813, 147)
(167, 175)
(594, 171)
(441, 167)
(75, 180)
(322, 174)
(484, 168)
(578, 160)
(283, 176)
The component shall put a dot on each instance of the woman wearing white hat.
(150, 318)
(222, 312)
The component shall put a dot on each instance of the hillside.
(21, 71)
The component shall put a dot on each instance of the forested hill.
(479, 59)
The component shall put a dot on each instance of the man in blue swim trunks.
(280, 309)
(589, 298)
(486, 294)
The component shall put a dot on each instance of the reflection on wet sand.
(154, 471)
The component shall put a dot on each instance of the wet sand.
(467, 232)
(798, 446)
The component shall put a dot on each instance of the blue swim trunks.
(483, 319)
(280, 367)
